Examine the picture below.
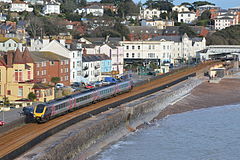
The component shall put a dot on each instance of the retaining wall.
(88, 137)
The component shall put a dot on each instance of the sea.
(204, 134)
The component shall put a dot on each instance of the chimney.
(84, 51)
(9, 59)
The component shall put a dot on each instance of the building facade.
(48, 65)
(16, 76)
(151, 13)
(180, 8)
(51, 8)
(187, 17)
(7, 44)
(160, 24)
(20, 6)
(74, 54)
(163, 49)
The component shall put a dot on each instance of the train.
(45, 111)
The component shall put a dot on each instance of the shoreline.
(206, 95)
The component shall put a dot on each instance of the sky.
(224, 4)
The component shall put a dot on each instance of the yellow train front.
(39, 113)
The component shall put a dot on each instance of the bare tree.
(35, 26)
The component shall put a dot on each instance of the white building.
(225, 20)
(7, 44)
(180, 8)
(160, 24)
(163, 49)
(20, 6)
(91, 68)
(51, 8)
(38, 44)
(75, 56)
(187, 17)
(95, 10)
(218, 50)
(6, 1)
(151, 13)
(116, 53)
(3, 18)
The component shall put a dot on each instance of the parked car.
(89, 86)
(59, 85)
(2, 123)
(76, 84)
(98, 83)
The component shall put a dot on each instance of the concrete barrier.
(88, 137)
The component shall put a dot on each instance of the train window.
(39, 108)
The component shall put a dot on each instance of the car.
(98, 83)
(76, 84)
(89, 86)
(59, 85)
(2, 123)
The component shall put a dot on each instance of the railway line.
(11, 141)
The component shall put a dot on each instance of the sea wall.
(86, 138)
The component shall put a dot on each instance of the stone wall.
(86, 138)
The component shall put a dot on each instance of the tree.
(159, 4)
(127, 7)
(32, 96)
(55, 80)
(184, 28)
(188, 5)
(201, 3)
(35, 25)
(83, 3)
(122, 29)
(68, 6)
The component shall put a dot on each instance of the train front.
(39, 112)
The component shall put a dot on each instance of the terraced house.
(16, 77)
(7, 44)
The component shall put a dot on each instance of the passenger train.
(46, 111)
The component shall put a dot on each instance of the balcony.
(85, 68)
(96, 67)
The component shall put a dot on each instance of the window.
(20, 91)
(78, 73)
(20, 76)
(73, 74)
(61, 70)
(133, 47)
(73, 64)
(127, 55)
(149, 47)
(73, 55)
(127, 47)
(29, 74)
(38, 73)
(16, 75)
(9, 92)
(52, 63)
(132, 55)
(138, 47)
(9, 45)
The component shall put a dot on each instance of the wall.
(89, 136)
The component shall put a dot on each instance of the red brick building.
(48, 65)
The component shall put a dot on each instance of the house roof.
(144, 29)
(41, 86)
(225, 18)
(4, 39)
(41, 56)
(167, 38)
(26, 56)
(94, 57)
(18, 57)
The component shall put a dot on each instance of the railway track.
(11, 141)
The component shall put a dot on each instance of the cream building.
(151, 13)
(180, 8)
(20, 6)
(187, 17)
(163, 48)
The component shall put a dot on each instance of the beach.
(206, 95)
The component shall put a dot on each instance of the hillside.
(227, 36)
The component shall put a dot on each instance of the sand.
(206, 95)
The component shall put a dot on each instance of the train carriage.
(45, 111)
